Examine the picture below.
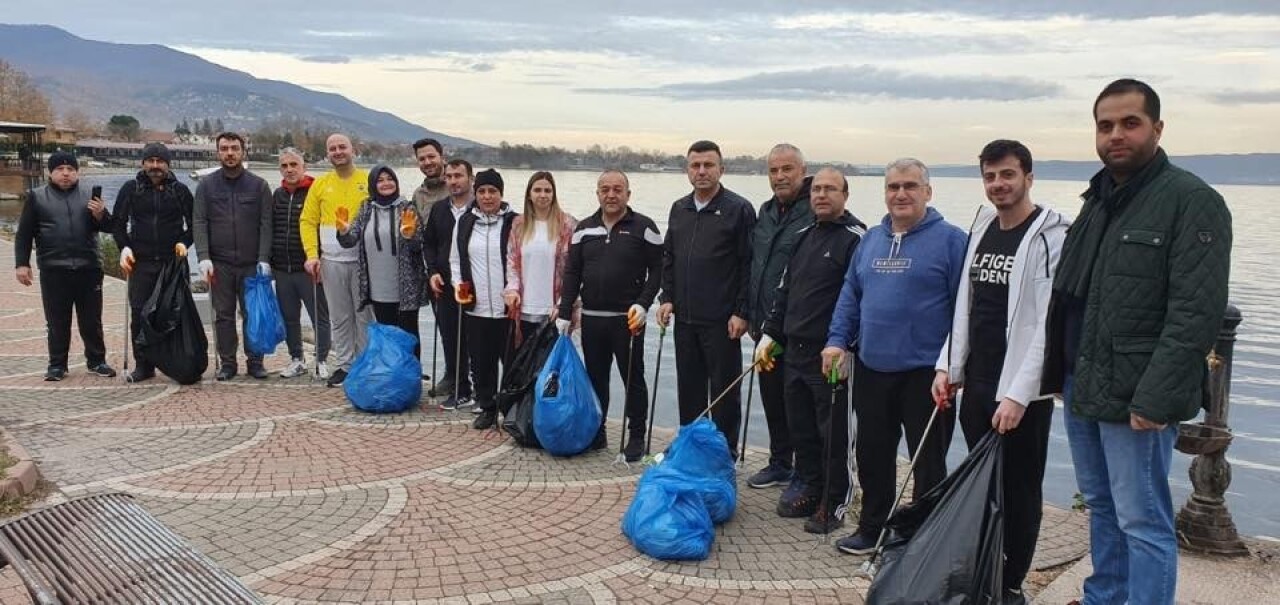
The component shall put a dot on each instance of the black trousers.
(706, 362)
(295, 290)
(490, 345)
(773, 399)
(389, 313)
(453, 334)
(606, 340)
(885, 404)
(227, 294)
(61, 291)
(142, 283)
(819, 424)
(1026, 449)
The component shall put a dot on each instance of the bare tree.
(20, 100)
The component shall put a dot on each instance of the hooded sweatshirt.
(899, 294)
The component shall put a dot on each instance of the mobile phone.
(97, 192)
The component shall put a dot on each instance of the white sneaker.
(322, 370)
(294, 369)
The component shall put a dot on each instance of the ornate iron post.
(1204, 524)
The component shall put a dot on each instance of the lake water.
(1254, 289)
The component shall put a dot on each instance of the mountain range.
(161, 86)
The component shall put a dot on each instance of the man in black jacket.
(295, 288)
(776, 232)
(152, 222)
(806, 297)
(62, 220)
(232, 218)
(705, 270)
(615, 263)
(436, 243)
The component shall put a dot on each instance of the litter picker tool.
(653, 400)
(626, 395)
(774, 351)
(833, 379)
(732, 385)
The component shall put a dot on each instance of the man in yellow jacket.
(335, 267)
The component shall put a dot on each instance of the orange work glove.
(464, 293)
(342, 219)
(408, 223)
(180, 249)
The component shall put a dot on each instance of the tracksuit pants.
(295, 290)
(605, 341)
(707, 361)
(819, 424)
(141, 284)
(348, 323)
(64, 290)
(489, 342)
(886, 404)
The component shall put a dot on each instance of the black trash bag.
(516, 398)
(171, 336)
(949, 547)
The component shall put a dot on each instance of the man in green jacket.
(1137, 303)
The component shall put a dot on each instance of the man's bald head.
(340, 151)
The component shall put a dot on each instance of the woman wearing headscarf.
(392, 271)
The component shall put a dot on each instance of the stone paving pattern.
(308, 501)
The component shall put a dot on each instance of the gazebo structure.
(20, 146)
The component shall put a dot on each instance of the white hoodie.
(1030, 287)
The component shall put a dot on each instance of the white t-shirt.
(538, 258)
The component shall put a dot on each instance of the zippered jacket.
(773, 240)
(612, 269)
(61, 227)
(232, 218)
(287, 253)
(811, 281)
(150, 221)
(706, 265)
(1030, 288)
(479, 256)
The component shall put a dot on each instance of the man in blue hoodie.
(894, 313)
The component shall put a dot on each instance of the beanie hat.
(489, 177)
(62, 158)
(157, 150)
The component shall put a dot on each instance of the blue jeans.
(1124, 476)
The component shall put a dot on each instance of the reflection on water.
(1256, 474)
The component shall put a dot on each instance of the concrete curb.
(22, 478)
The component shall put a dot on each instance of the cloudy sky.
(852, 80)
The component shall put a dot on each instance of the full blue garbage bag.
(668, 522)
(386, 377)
(701, 452)
(567, 415)
(264, 327)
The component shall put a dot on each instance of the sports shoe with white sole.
(295, 368)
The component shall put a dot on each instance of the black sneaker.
(485, 420)
(1013, 596)
(336, 378)
(796, 502)
(823, 522)
(55, 374)
(601, 441)
(774, 474)
(139, 375)
(443, 389)
(861, 543)
(257, 371)
(454, 402)
(634, 450)
(225, 373)
(103, 370)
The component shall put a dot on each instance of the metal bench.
(107, 548)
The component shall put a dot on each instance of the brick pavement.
(285, 485)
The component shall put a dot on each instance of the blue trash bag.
(700, 454)
(667, 522)
(386, 377)
(264, 327)
(567, 415)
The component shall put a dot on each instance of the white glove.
(206, 268)
(564, 326)
(264, 269)
(636, 318)
(126, 259)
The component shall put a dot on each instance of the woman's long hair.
(554, 217)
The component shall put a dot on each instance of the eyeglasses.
(909, 187)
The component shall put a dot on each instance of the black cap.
(157, 150)
(489, 177)
(63, 158)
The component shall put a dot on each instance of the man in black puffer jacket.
(62, 220)
(295, 288)
(152, 223)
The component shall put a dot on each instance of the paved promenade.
(308, 501)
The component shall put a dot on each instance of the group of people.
(860, 333)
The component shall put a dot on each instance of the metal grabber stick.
(774, 352)
(435, 346)
(732, 385)
(833, 379)
(128, 310)
(315, 320)
(626, 397)
(653, 400)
